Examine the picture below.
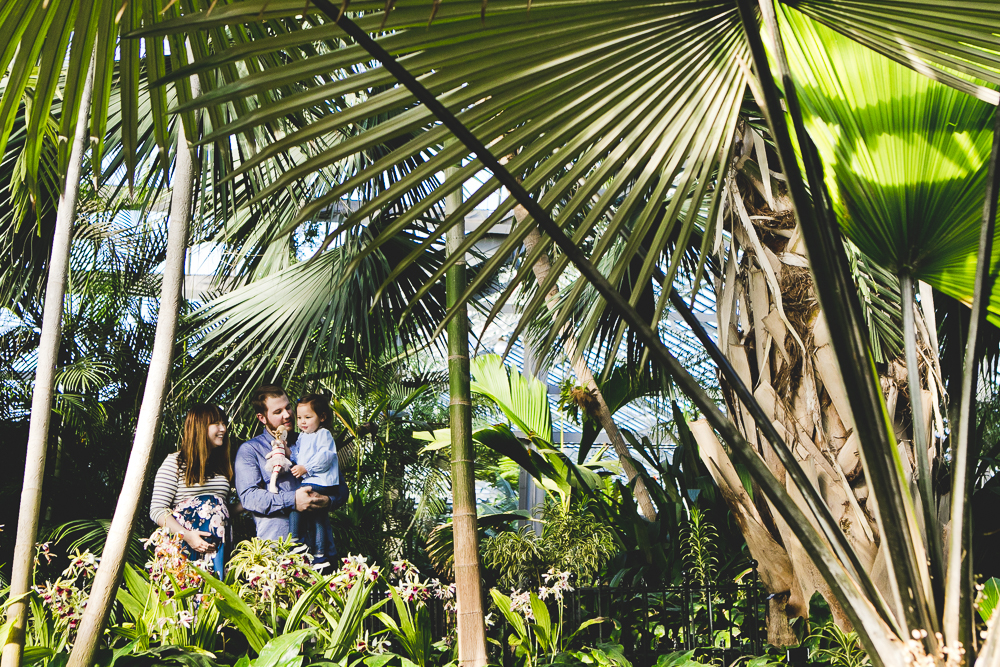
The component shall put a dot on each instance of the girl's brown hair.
(198, 461)
(321, 406)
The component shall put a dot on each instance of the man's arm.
(252, 487)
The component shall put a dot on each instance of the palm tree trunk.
(471, 621)
(541, 269)
(774, 333)
(41, 397)
(109, 572)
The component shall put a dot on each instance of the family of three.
(192, 487)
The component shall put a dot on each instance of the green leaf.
(907, 179)
(989, 597)
(379, 660)
(543, 622)
(679, 659)
(33, 654)
(515, 620)
(302, 605)
(283, 651)
(232, 607)
(524, 400)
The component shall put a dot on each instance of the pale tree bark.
(109, 572)
(41, 397)
(775, 335)
(541, 269)
(468, 580)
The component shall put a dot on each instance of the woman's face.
(216, 434)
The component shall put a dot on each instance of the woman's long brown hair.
(198, 461)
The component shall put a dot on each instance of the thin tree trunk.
(541, 269)
(41, 398)
(109, 572)
(56, 474)
(468, 581)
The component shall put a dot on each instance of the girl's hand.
(299, 471)
(195, 541)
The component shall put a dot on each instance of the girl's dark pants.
(303, 525)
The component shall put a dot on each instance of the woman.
(193, 484)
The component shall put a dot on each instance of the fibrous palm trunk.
(773, 332)
(41, 398)
(468, 581)
(109, 572)
(571, 348)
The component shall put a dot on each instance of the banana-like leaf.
(905, 157)
(524, 400)
(283, 650)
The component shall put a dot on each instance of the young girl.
(318, 467)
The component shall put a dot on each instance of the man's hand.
(299, 471)
(306, 499)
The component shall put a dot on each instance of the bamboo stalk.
(41, 397)
(468, 580)
(109, 572)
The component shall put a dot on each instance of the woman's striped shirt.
(169, 488)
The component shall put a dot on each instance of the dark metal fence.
(721, 622)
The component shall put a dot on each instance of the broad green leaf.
(905, 157)
(523, 400)
(503, 603)
(543, 622)
(284, 651)
(236, 610)
(989, 597)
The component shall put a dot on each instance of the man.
(253, 470)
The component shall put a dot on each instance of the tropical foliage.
(623, 132)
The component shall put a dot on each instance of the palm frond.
(907, 178)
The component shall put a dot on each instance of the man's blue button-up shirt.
(253, 474)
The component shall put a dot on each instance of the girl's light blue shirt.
(317, 452)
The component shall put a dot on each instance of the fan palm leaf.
(907, 179)
(637, 101)
(668, 84)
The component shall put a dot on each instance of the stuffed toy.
(276, 457)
